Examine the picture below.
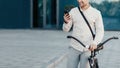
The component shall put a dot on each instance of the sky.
(99, 1)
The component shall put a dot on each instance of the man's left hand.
(92, 47)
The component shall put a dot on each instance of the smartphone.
(66, 11)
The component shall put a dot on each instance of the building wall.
(15, 14)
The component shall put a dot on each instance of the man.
(77, 53)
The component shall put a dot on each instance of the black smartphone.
(66, 11)
(67, 8)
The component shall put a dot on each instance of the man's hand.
(67, 18)
(92, 47)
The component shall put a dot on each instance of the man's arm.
(99, 30)
(67, 23)
(67, 27)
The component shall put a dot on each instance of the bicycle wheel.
(95, 63)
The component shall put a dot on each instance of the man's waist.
(82, 37)
(86, 42)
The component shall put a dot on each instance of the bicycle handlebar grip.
(115, 37)
(68, 36)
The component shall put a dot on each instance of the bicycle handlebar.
(76, 40)
(107, 40)
(101, 44)
(93, 53)
(98, 46)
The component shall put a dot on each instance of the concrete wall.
(15, 14)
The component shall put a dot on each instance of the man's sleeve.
(67, 27)
(99, 30)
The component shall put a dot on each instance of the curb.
(54, 62)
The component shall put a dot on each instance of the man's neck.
(85, 7)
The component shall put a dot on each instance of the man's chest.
(79, 20)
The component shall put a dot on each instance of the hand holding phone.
(66, 18)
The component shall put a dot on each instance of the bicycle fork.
(91, 60)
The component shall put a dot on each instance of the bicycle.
(93, 61)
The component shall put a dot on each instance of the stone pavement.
(47, 48)
(30, 48)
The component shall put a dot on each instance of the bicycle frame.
(92, 60)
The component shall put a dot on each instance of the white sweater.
(81, 30)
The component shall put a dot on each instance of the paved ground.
(109, 57)
(38, 48)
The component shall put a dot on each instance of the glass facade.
(46, 14)
(40, 13)
(50, 13)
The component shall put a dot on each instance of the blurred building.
(31, 13)
(49, 13)
(45, 14)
